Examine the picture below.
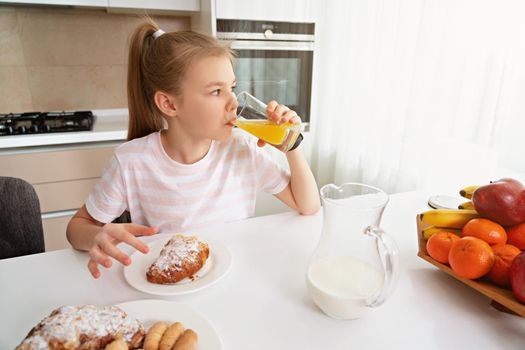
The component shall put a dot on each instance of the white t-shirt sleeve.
(108, 200)
(271, 177)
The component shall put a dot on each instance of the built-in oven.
(274, 60)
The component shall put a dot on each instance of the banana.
(429, 231)
(467, 205)
(468, 191)
(449, 218)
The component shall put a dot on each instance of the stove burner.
(46, 122)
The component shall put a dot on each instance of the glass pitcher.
(355, 266)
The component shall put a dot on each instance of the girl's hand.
(105, 242)
(279, 114)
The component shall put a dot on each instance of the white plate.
(150, 311)
(445, 202)
(216, 267)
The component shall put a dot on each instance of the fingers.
(105, 242)
(277, 114)
(270, 107)
(93, 268)
(281, 114)
(294, 118)
(125, 233)
(104, 246)
(140, 230)
(130, 239)
(136, 230)
(115, 253)
(99, 257)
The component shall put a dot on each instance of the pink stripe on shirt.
(158, 191)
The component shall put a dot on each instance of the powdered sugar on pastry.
(179, 248)
(181, 257)
(67, 325)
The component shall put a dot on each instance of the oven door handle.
(271, 45)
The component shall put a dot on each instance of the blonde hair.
(161, 64)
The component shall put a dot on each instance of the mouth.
(231, 122)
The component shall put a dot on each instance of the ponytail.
(159, 64)
(144, 117)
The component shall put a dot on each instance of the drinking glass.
(253, 118)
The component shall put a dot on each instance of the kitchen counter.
(110, 125)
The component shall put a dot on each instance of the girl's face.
(208, 105)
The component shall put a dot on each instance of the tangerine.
(471, 257)
(516, 236)
(438, 245)
(504, 254)
(484, 229)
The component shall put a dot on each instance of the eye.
(216, 92)
(234, 87)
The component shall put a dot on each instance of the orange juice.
(266, 130)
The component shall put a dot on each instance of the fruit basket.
(502, 299)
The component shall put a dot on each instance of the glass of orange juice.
(252, 117)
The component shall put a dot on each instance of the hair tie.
(158, 33)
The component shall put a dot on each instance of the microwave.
(274, 61)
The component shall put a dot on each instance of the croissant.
(87, 327)
(181, 257)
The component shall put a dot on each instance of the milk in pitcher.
(341, 285)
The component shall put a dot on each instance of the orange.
(489, 231)
(438, 245)
(516, 235)
(504, 254)
(471, 257)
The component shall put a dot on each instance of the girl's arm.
(81, 229)
(301, 193)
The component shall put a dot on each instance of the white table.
(263, 303)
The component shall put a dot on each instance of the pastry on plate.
(182, 256)
(87, 327)
(161, 336)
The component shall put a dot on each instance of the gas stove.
(45, 122)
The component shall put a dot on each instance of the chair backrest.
(21, 230)
(125, 218)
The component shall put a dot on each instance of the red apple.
(502, 201)
(517, 277)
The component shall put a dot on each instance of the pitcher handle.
(389, 256)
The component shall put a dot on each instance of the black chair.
(21, 230)
(125, 218)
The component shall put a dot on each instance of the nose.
(233, 103)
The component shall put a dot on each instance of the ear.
(166, 103)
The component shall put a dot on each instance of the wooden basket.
(502, 299)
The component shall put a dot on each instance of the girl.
(197, 171)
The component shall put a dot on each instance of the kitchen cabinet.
(269, 10)
(62, 177)
(167, 5)
(91, 3)
(170, 5)
(55, 232)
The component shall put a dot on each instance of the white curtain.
(419, 94)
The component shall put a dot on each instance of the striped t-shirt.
(158, 191)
